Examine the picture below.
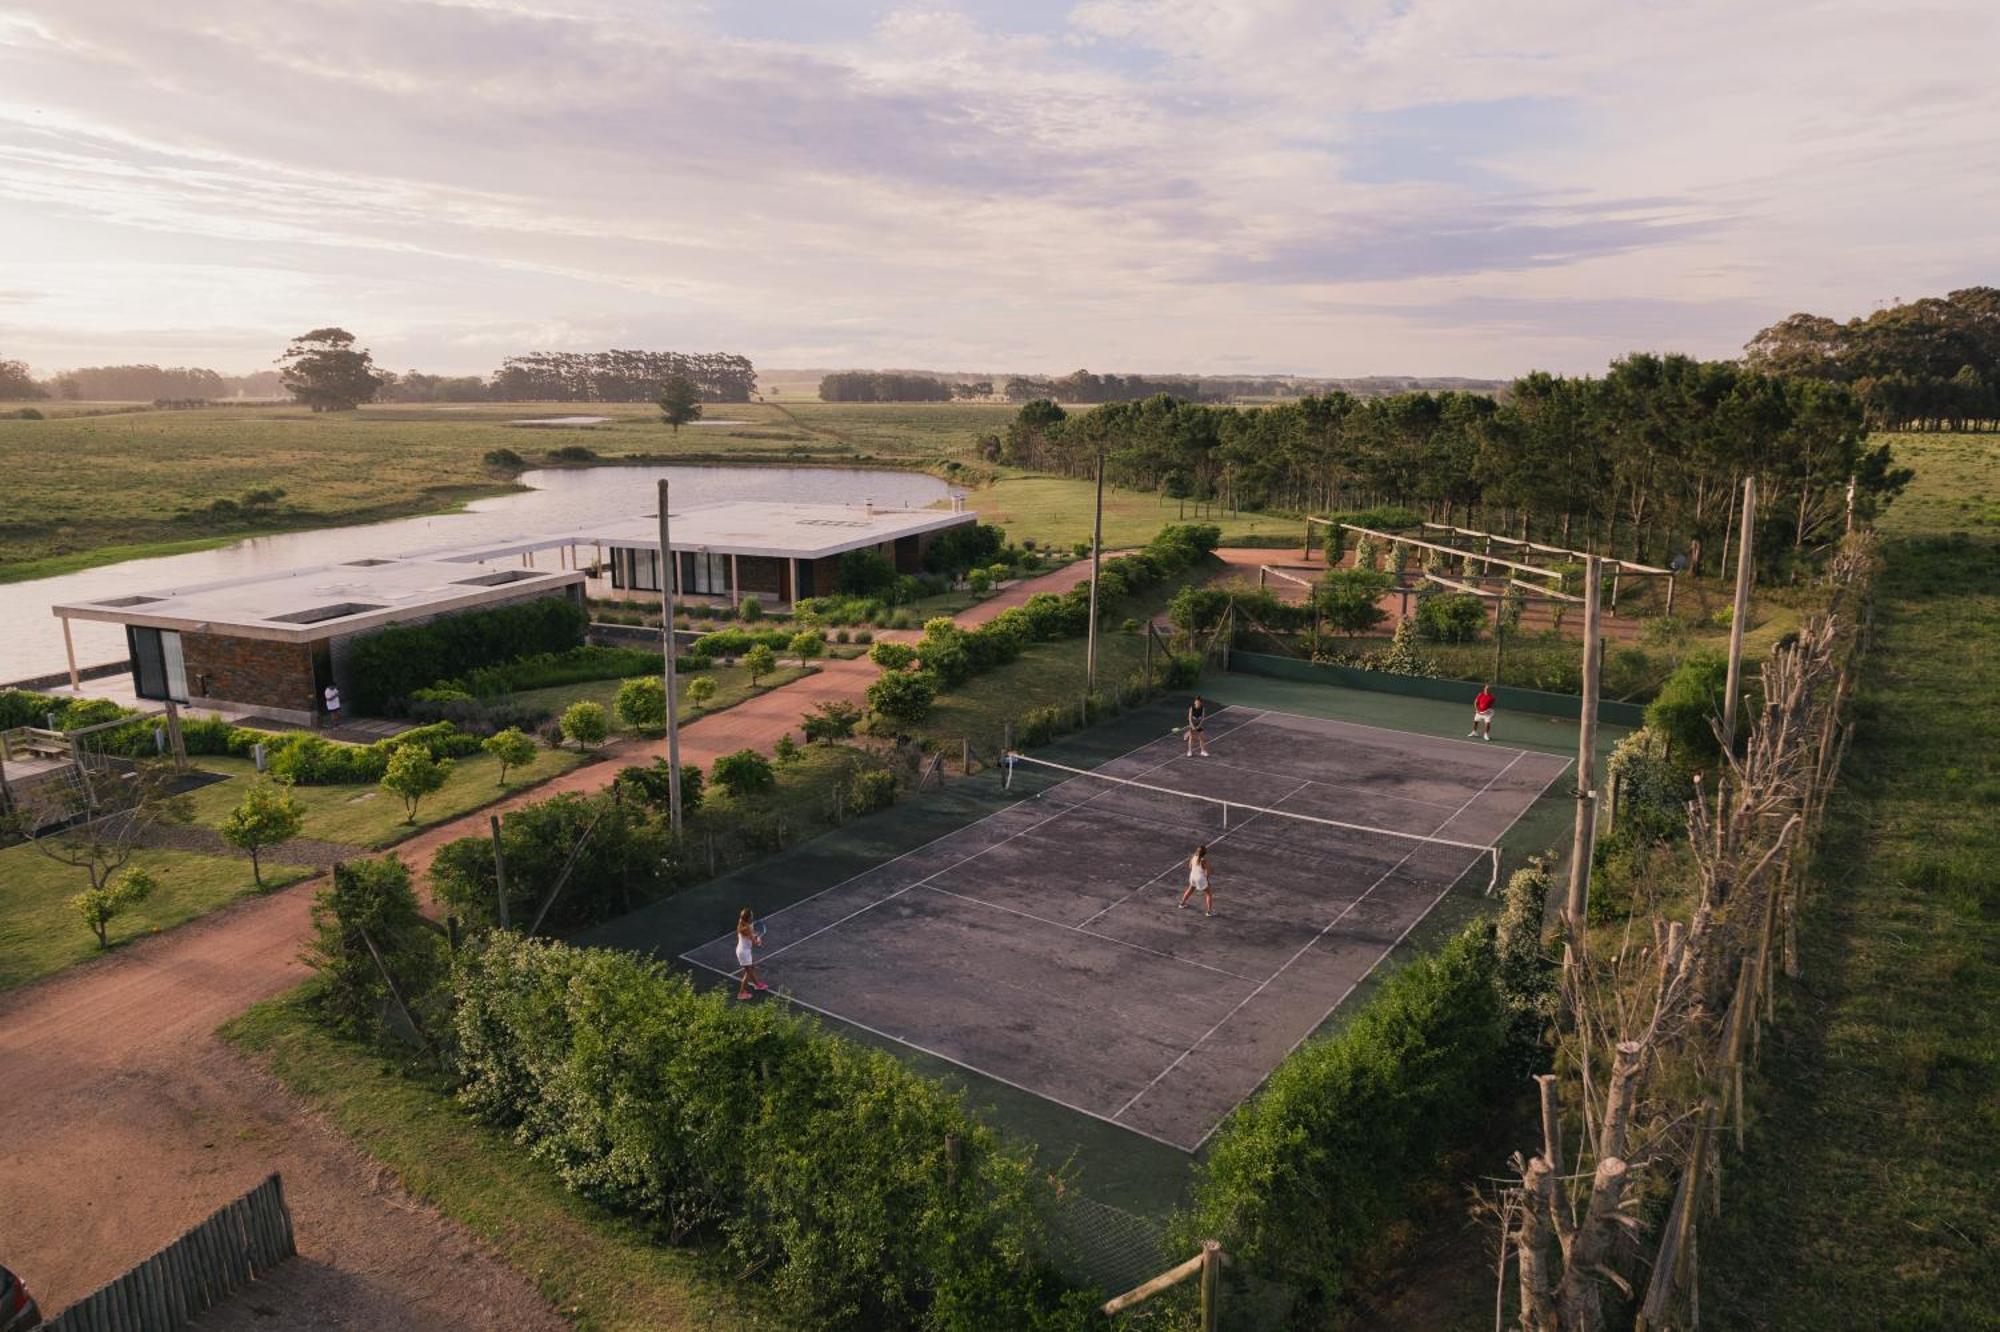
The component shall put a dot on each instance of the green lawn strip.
(600, 1272)
(1875, 1137)
(732, 686)
(41, 933)
(371, 817)
(1057, 511)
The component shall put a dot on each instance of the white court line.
(941, 837)
(1078, 929)
(1486, 745)
(1286, 964)
(1170, 869)
(1321, 781)
(960, 1063)
(1420, 918)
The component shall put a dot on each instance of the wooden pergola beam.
(1628, 566)
(1394, 539)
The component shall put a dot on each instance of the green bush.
(412, 774)
(807, 644)
(830, 721)
(585, 723)
(21, 707)
(904, 697)
(750, 610)
(819, 1164)
(547, 670)
(1301, 1181)
(871, 791)
(1653, 790)
(1687, 711)
(652, 786)
(641, 703)
(743, 773)
(385, 666)
(864, 573)
(626, 860)
(371, 901)
(1349, 599)
(1457, 617)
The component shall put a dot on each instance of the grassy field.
(601, 1273)
(41, 933)
(1876, 1139)
(369, 816)
(732, 686)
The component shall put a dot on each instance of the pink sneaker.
(761, 986)
(743, 994)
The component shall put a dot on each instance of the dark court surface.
(1042, 946)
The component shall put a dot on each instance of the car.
(18, 1310)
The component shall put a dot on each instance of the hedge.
(385, 666)
(863, 1195)
(1301, 1181)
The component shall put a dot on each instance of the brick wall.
(761, 576)
(254, 671)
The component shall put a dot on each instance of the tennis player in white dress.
(747, 939)
(1198, 881)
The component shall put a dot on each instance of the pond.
(560, 498)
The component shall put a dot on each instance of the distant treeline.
(1932, 364)
(138, 383)
(1646, 460)
(619, 376)
(886, 386)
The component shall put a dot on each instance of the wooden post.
(669, 566)
(499, 867)
(1744, 566)
(1211, 1285)
(69, 646)
(1585, 832)
(1096, 554)
(1551, 1122)
(175, 741)
(965, 755)
(1670, 596)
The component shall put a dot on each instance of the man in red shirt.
(1482, 714)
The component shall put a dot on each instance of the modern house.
(776, 552)
(270, 643)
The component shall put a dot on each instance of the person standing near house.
(332, 699)
(1482, 714)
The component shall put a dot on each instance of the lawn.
(41, 933)
(370, 817)
(1876, 1129)
(1058, 511)
(601, 1273)
(732, 686)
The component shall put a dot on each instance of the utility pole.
(1096, 554)
(668, 567)
(1586, 756)
(1744, 565)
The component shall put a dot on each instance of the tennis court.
(1041, 946)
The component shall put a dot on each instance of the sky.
(1326, 187)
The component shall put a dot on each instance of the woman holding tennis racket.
(1198, 881)
(747, 941)
(1197, 719)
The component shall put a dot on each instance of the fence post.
(1211, 1293)
(965, 755)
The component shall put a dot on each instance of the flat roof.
(736, 527)
(304, 605)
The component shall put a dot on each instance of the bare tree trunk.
(1536, 1242)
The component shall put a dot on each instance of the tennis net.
(1311, 840)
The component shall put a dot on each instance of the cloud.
(1121, 183)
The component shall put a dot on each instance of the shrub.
(1653, 790)
(513, 749)
(371, 901)
(830, 721)
(1349, 599)
(743, 773)
(413, 774)
(980, 582)
(269, 815)
(574, 453)
(585, 723)
(904, 697)
(652, 785)
(818, 1163)
(864, 637)
(1182, 670)
(1301, 1180)
(759, 661)
(505, 460)
(1456, 618)
(872, 790)
(892, 656)
(626, 859)
(750, 610)
(1687, 711)
(546, 670)
(700, 690)
(308, 760)
(957, 549)
(642, 703)
(787, 749)
(864, 573)
(386, 665)
(1402, 658)
(100, 905)
(807, 644)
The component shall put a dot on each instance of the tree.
(585, 723)
(759, 661)
(642, 703)
(323, 371)
(654, 785)
(95, 828)
(98, 905)
(700, 689)
(513, 747)
(743, 773)
(787, 749)
(366, 922)
(832, 720)
(269, 815)
(414, 774)
(16, 382)
(680, 401)
(903, 697)
(1454, 618)
(864, 573)
(807, 644)
(1349, 598)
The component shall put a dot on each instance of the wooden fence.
(238, 1243)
